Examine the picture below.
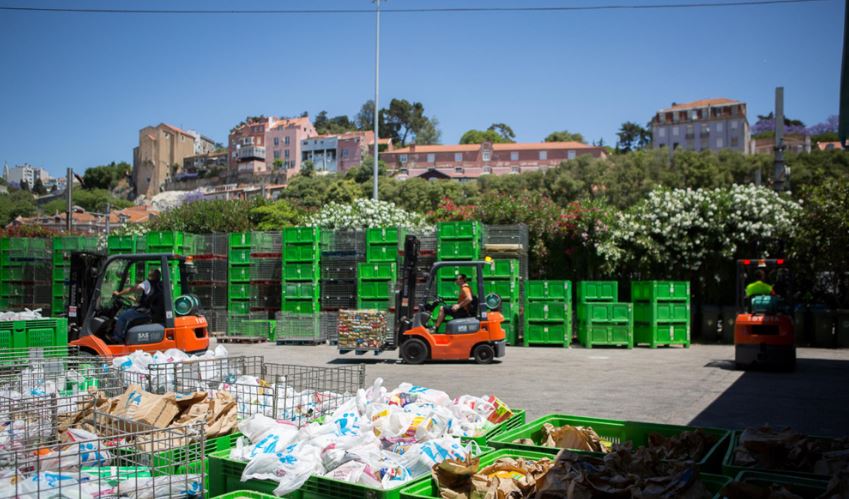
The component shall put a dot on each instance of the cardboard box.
(140, 406)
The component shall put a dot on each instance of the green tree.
(307, 168)
(481, 136)
(363, 172)
(276, 215)
(564, 136)
(106, 176)
(94, 200)
(38, 187)
(632, 137)
(278, 164)
(504, 131)
(14, 204)
(429, 132)
(24, 185)
(404, 119)
(335, 125)
(207, 216)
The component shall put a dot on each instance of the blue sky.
(75, 88)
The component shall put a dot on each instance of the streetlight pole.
(376, 92)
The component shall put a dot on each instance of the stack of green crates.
(459, 240)
(377, 276)
(601, 319)
(502, 278)
(661, 312)
(25, 280)
(548, 313)
(63, 246)
(172, 242)
(301, 270)
(239, 275)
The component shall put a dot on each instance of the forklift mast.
(406, 298)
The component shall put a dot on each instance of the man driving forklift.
(462, 308)
(150, 305)
(759, 286)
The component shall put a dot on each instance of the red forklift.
(764, 334)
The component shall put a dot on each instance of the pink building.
(246, 145)
(468, 161)
(352, 147)
(283, 143)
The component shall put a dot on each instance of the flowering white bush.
(682, 229)
(364, 213)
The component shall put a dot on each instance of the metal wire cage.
(211, 244)
(300, 394)
(266, 242)
(343, 244)
(105, 455)
(298, 328)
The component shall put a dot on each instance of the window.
(543, 155)
(487, 169)
(734, 124)
(718, 127)
(431, 158)
(402, 158)
(487, 155)
(570, 154)
(734, 142)
(514, 155)
(459, 169)
(719, 142)
(458, 157)
(675, 131)
(514, 169)
(276, 154)
(344, 153)
(661, 132)
(276, 141)
(286, 140)
(286, 154)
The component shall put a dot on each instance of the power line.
(696, 5)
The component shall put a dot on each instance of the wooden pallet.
(301, 342)
(222, 338)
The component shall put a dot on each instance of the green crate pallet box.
(548, 333)
(301, 272)
(166, 242)
(383, 235)
(301, 235)
(458, 250)
(549, 290)
(239, 273)
(621, 335)
(459, 230)
(33, 333)
(245, 494)
(239, 291)
(308, 306)
(301, 290)
(239, 240)
(801, 487)
(375, 290)
(365, 304)
(382, 253)
(239, 256)
(121, 244)
(660, 291)
(502, 269)
(541, 311)
(450, 272)
(449, 290)
(236, 306)
(507, 290)
(380, 271)
(10, 274)
(611, 432)
(597, 291)
(730, 468)
(301, 252)
(654, 312)
(605, 313)
(655, 335)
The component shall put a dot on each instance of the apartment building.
(283, 142)
(25, 173)
(246, 145)
(353, 147)
(321, 152)
(160, 154)
(469, 161)
(707, 124)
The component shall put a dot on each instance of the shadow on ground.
(814, 399)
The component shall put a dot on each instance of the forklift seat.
(145, 333)
(467, 325)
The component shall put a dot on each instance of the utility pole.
(108, 214)
(376, 92)
(69, 189)
(779, 172)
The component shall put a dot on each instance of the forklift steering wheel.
(122, 302)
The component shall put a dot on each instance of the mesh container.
(211, 244)
(339, 269)
(209, 270)
(211, 296)
(266, 242)
(216, 320)
(329, 322)
(507, 235)
(265, 296)
(343, 244)
(299, 328)
(266, 269)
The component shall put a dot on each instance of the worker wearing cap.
(759, 287)
(462, 308)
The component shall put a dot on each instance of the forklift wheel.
(483, 354)
(414, 351)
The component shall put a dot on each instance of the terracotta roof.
(177, 130)
(719, 101)
(287, 122)
(526, 146)
(823, 146)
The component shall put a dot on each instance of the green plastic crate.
(654, 335)
(240, 256)
(655, 312)
(301, 235)
(301, 271)
(225, 475)
(364, 304)
(239, 273)
(467, 229)
(804, 487)
(507, 290)
(300, 252)
(598, 291)
(382, 253)
(301, 290)
(374, 290)
(547, 334)
(239, 291)
(502, 269)
(619, 335)
(458, 250)
(611, 431)
(543, 311)
(448, 289)
(60, 274)
(165, 239)
(605, 313)
(450, 272)
(383, 235)
(309, 306)
(549, 290)
(35, 333)
(660, 291)
(380, 271)
(163, 460)
(12, 273)
(237, 306)
(426, 488)
(239, 240)
(511, 333)
(244, 494)
(121, 244)
(514, 421)
(731, 469)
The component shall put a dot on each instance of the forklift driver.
(462, 308)
(759, 286)
(149, 303)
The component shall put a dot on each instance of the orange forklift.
(764, 335)
(479, 337)
(93, 308)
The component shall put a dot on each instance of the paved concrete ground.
(679, 386)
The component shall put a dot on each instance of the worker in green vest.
(759, 287)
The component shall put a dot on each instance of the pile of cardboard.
(362, 329)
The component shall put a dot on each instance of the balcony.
(251, 152)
